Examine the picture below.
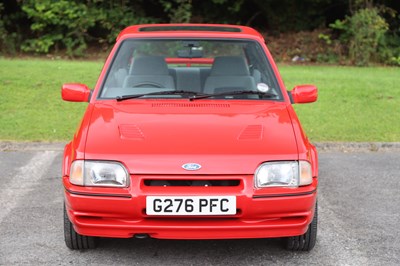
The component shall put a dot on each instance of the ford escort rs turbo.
(190, 133)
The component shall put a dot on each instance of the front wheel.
(73, 240)
(307, 241)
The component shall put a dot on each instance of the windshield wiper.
(179, 92)
(233, 93)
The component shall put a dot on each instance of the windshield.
(186, 68)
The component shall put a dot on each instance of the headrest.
(229, 66)
(149, 65)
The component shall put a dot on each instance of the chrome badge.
(191, 166)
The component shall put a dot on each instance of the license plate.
(191, 205)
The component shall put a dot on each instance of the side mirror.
(75, 92)
(304, 94)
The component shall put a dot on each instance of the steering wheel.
(148, 84)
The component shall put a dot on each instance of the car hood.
(158, 137)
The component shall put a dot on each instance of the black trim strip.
(254, 197)
(285, 195)
(97, 194)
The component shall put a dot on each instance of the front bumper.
(121, 213)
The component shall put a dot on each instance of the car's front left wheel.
(73, 240)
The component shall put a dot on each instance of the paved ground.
(359, 211)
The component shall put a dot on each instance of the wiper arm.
(232, 93)
(179, 92)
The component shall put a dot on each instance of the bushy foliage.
(66, 24)
(3, 32)
(369, 33)
(179, 11)
(361, 34)
(367, 28)
(7, 40)
(111, 17)
(57, 23)
(389, 46)
(389, 50)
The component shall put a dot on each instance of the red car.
(190, 134)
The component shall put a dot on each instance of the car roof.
(200, 29)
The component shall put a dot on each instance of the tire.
(307, 241)
(73, 240)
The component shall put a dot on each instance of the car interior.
(186, 70)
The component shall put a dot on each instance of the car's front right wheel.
(73, 240)
(305, 242)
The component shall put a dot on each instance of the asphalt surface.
(359, 218)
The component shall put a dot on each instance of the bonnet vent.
(130, 132)
(251, 132)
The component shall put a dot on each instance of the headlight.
(97, 173)
(283, 174)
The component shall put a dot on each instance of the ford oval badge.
(191, 166)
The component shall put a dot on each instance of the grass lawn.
(354, 104)
(31, 108)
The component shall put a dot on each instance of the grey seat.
(188, 78)
(149, 71)
(229, 73)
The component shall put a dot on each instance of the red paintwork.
(75, 92)
(124, 217)
(304, 94)
(136, 30)
(195, 128)
(152, 138)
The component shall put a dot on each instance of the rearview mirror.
(75, 92)
(304, 94)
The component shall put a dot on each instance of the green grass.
(31, 108)
(354, 104)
